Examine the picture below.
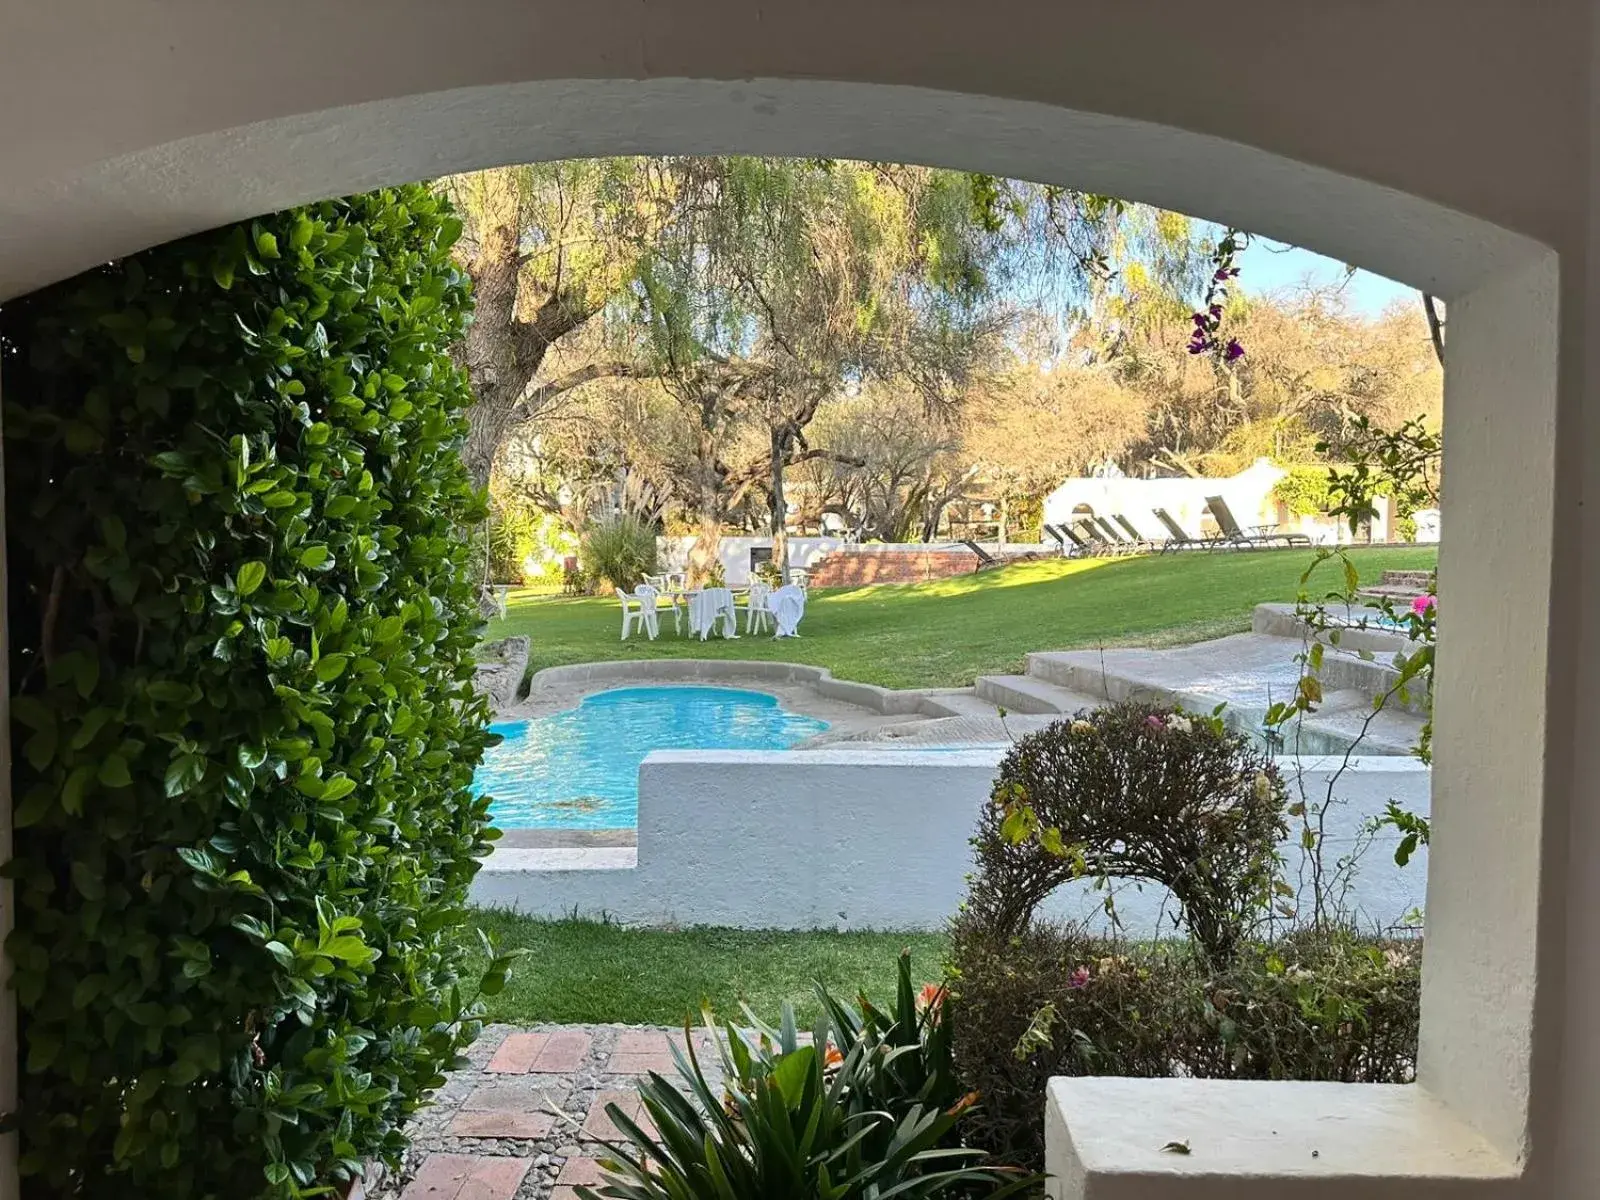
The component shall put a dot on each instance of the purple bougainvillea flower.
(1423, 603)
(1079, 978)
(1216, 310)
(1234, 350)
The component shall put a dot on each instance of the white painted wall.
(874, 839)
(734, 553)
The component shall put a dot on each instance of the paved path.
(524, 1122)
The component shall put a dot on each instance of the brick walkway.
(525, 1121)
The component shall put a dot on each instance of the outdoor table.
(788, 605)
(706, 607)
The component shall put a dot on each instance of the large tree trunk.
(780, 506)
(709, 502)
(502, 352)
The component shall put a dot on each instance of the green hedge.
(241, 651)
(1304, 491)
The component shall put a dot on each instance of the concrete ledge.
(563, 858)
(1280, 620)
(1257, 1140)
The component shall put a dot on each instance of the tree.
(907, 467)
(777, 283)
(546, 247)
(1035, 429)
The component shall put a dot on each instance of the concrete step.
(1028, 694)
(1248, 673)
(963, 702)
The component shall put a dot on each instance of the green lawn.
(584, 971)
(944, 634)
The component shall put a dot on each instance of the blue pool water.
(579, 769)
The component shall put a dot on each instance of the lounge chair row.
(1118, 535)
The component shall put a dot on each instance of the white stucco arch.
(56, 226)
(1449, 144)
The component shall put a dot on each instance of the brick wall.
(867, 564)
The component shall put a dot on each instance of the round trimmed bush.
(1137, 792)
(241, 626)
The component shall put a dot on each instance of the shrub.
(794, 1122)
(1138, 792)
(242, 625)
(909, 1051)
(769, 573)
(1053, 1001)
(1146, 793)
(619, 551)
(1304, 491)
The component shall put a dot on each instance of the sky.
(1267, 266)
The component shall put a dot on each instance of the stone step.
(1028, 694)
(1247, 673)
(964, 702)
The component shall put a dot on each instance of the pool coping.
(888, 702)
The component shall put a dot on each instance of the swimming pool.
(579, 769)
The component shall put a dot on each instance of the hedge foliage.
(1053, 1000)
(241, 653)
(1305, 491)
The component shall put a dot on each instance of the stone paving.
(526, 1120)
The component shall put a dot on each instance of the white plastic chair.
(639, 610)
(800, 579)
(674, 598)
(757, 613)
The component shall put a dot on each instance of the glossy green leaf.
(251, 576)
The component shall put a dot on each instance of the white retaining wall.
(875, 839)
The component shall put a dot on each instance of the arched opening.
(1481, 1071)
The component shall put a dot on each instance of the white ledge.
(563, 858)
(1106, 1137)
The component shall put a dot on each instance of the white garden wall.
(872, 839)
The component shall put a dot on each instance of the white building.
(1249, 497)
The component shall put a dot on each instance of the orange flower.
(832, 1057)
(961, 1105)
(931, 997)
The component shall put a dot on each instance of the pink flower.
(1154, 723)
(1079, 978)
(1423, 603)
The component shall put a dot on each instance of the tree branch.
(1435, 325)
(535, 399)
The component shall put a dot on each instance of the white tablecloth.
(706, 608)
(788, 605)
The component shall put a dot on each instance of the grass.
(589, 972)
(945, 633)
